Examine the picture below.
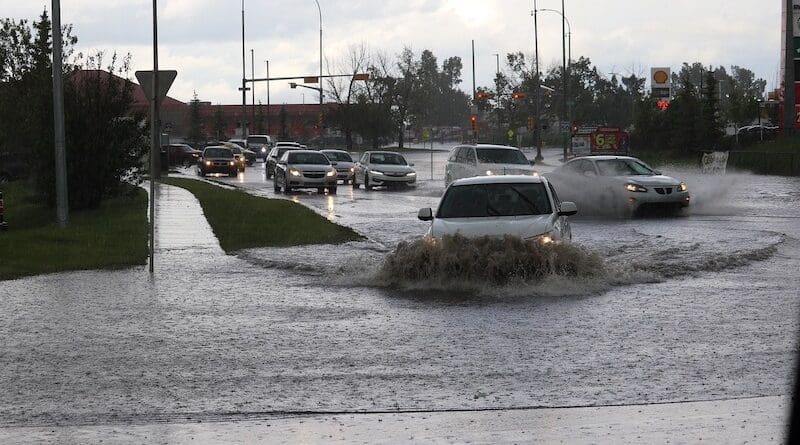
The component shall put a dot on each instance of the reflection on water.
(331, 208)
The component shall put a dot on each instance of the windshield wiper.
(531, 205)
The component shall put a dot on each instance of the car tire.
(320, 190)
(332, 190)
(355, 184)
(366, 182)
(286, 186)
(232, 174)
(275, 186)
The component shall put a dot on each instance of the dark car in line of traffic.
(181, 154)
(217, 159)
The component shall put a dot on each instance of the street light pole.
(538, 116)
(155, 134)
(244, 82)
(269, 128)
(497, 56)
(252, 87)
(567, 70)
(565, 79)
(321, 130)
(62, 201)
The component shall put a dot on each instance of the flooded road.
(692, 308)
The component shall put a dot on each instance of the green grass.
(241, 220)
(113, 236)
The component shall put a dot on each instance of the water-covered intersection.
(700, 309)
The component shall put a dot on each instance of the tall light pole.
(538, 93)
(268, 125)
(497, 56)
(566, 77)
(155, 135)
(244, 82)
(253, 87)
(567, 68)
(321, 130)
(62, 198)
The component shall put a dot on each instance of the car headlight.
(352, 169)
(376, 172)
(232, 163)
(411, 174)
(535, 173)
(544, 238)
(331, 173)
(264, 150)
(631, 187)
(682, 187)
(294, 172)
(489, 173)
(208, 162)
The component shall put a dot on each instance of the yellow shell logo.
(660, 76)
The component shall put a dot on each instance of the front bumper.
(214, 168)
(389, 179)
(658, 197)
(311, 182)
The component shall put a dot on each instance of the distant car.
(261, 144)
(343, 163)
(181, 154)
(276, 153)
(617, 185)
(304, 169)
(249, 155)
(516, 205)
(238, 153)
(383, 168)
(217, 159)
(466, 161)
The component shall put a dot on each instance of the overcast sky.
(201, 39)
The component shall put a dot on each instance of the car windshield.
(486, 200)
(217, 152)
(500, 156)
(284, 149)
(623, 167)
(338, 156)
(387, 159)
(308, 158)
(257, 140)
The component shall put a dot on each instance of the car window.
(217, 152)
(623, 167)
(453, 154)
(338, 156)
(501, 156)
(364, 158)
(469, 156)
(284, 149)
(488, 200)
(462, 154)
(257, 140)
(307, 158)
(556, 201)
(387, 159)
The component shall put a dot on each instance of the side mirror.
(656, 172)
(425, 214)
(411, 164)
(568, 208)
(334, 163)
(532, 161)
(282, 162)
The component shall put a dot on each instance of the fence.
(766, 162)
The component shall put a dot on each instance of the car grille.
(313, 175)
(395, 174)
(663, 190)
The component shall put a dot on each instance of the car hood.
(343, 165)
(654, 180)
(506, 169)
(522, 226)
(391, 168)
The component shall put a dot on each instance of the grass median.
(113, 236)
(241, 220)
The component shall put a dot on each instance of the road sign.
(165, 79)
(311, 79)
(361, 76)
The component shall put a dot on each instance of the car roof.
(499, 147)
(384, 152)
(499, 179)
(334, 150)
(306, 151)
(216, 146)
(604, 158)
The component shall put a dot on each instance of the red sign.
(609, 141)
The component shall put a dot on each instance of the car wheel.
(286, 187)
(275, 186)
(366, 182)
(232, 174)
(355, 184)
(332, 190)
(321, 190)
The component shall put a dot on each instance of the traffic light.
(519, 95)
(531, 123)
(482, 95)
(473, 122)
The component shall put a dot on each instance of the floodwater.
(702, 306)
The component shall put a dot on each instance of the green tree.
(195, 135)
(219, 123)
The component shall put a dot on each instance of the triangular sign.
(165, 79)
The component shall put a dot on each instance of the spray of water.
(457, 261)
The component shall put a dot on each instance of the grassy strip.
(111, 237)
(241, 220)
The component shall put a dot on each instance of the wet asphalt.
(709, 313)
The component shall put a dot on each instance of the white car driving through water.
(383, 168)
(466, 161)
(516, 205)
(618, 185)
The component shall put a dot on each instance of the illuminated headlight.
(263, 149)
(294, 172)
(376, 172)
(631, 187)
(545, 238)
(352, 169)
(489, 173)
(411, 174)
(535, 173)
(208, 162)
(331, 173)
(682, 187)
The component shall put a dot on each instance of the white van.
(466, 161)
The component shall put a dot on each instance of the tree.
(219, 123)
(344, 114)
(195, 135)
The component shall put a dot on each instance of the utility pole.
(536, 85)
(62, 194)
(253, 87)
(269, 128)
(789, 113)
(244, 82)
(155, 134)
(497, 57)
(565, 80)
(474, 102)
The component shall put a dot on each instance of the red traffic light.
(473, 122)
